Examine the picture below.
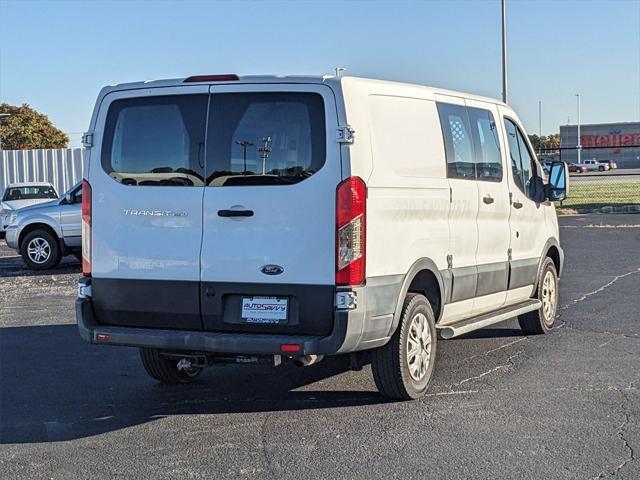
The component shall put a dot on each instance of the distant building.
(618, 138)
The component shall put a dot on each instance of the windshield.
(29, 193)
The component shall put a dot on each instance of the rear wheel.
(601, 169)
(40, 250)
(542, 320)
(403, 367)
(165, 369)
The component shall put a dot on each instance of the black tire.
(51, 248)
(601, 169)
(542, 320)
(165, 370)
(390, 363)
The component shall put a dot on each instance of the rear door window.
(264, 138)
(156, 140)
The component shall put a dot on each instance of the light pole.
(539, 127)
(3, 115)
(265, 150)
(244, 144)
(504, 51)
(579, 146)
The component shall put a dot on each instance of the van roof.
(292, 79)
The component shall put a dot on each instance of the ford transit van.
(283, 219)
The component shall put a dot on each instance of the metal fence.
(600, 186)
(61, 167)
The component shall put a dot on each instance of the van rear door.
(268, 244)
(146, 173)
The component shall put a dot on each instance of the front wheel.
(40, 250)
(403, 367)
(542, 320)
(165, 369)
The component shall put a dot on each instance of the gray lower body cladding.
(464, 283)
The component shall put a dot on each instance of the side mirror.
(558, 186)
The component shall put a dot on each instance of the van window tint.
(156, 140)
(522, 162)
(488, 158)
(457, 141)
(264, 138)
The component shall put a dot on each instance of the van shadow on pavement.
(55, 387)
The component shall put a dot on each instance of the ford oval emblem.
(272, 269)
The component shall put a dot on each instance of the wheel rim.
(419, 347)
(548, 296)
(38, 250)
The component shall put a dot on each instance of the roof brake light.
(228, 77)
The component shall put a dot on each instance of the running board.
(481, 321)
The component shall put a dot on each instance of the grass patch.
(596, 195)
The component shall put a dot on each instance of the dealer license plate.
(265, 310)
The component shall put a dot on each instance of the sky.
(56, 55)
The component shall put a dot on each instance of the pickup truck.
(20, 195)
(595, 165)
(42, 234)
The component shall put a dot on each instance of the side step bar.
(481, 321)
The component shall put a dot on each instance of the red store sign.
(623, 140)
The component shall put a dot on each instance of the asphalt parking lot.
(628, 175)
(564, 405)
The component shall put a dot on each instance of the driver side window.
(521, 160)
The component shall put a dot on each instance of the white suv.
(273, 219)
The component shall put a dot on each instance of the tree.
(546, 142)
(535, 141)
(553, 141)
(26, 128)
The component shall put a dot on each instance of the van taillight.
(351, 213)
(86, 228)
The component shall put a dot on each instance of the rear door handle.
(517, 204)
(235, 213)
(488, 200)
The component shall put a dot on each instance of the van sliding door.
(463, 211)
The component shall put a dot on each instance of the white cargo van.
(277, 219)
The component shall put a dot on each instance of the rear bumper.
(364, 327)
(202, 341)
